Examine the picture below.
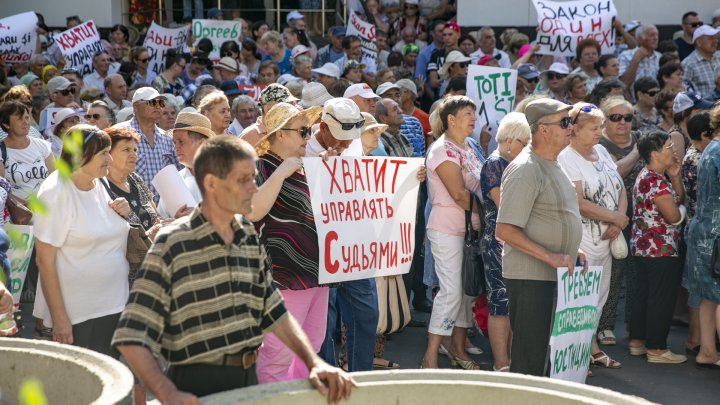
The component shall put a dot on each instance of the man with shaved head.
(116, 92)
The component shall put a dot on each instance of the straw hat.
(452, 57)
(372, 125)
(280, 114)
(195, 122)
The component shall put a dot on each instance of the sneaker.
(667, 357)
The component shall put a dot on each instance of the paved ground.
(665, 384)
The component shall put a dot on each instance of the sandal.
(463, 364)
(602, 359)
(387, 364)
(606, 338)
(503, 369)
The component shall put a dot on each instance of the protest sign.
(563, 24)
(576, 316)
(364, 210)
(366, 32)
(159, 39)
(493, 90)
(17, 37)
(79, 45)
(217, 32)
(21, 246)
(47, 118)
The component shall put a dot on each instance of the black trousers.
(205, 379)
(655, 292)
(532, 307)
(414, 278)
(96, 334)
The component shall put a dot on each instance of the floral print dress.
(652, 236)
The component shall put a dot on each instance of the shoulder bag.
(473, 271)
(393, 306)
(138, 243)
(20, 214)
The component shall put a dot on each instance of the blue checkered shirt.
(412, 130)
(153, 158)
(699, 73)
(648, 67)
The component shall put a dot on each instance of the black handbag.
(715, 259)
(473, 270)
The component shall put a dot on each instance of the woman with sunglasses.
(100, 115)
(81, 245)
(140, 57)
(283, 217)
(602, 199)
(656, 218)
(646, 116)
(621, 142)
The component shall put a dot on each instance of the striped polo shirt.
(197, 299)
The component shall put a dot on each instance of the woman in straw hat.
(283, 217)
(370, 134)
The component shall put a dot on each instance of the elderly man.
(352, 50)
(62, 95)
(75, 78)
(487, 43)
(642, 61)
(245, 112)
(363, 96)
(408, 95)
(210, 340)
(101, 66)
(37, 63)
(700, 66)
(333, 50)
(155, 149)
(115, 92)
(690, 22)
(539, 221)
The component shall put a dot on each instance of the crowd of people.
(608, 160)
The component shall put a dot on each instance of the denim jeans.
(358, 305)
(187, 8)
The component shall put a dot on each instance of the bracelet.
(683, 214)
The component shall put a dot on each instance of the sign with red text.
(574, 324)
(364, 210)
(217, 31)
(17, 37)
(159, 39)
(79, 45)
(493, 91)
(366, 32)
(563, 24)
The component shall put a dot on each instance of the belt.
(245, 360)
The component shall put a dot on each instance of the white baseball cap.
(385, 87)
(360, 89)
(558, 67)
(408, 85)
(704, 31)
(146, 94)
(328, 69)
(294, 15)
(338, 111)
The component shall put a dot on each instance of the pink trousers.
(309, 308)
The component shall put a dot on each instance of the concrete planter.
(404, 387)
(69, 374)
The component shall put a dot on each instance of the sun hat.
(280, 114)
(339, 111)
(353, 64)
(487, 58)
(64, 114)
(195, 122)
(360, 89)
(452, 57)
(146, 94)
(633, 24)
(328, 69)
(230, 88)
(372, 125)
(28, 79)
(314, 94)
(124, 114)
(338, 31)
(275, 92)
(528, 71)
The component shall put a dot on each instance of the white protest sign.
(493, 90)
(172, 189)
(48, 119)
(79, 45)
(159, 39)
(217, 32)
(17, 37)
(364, 211)
(576, 317)
(21, 246)
(366, 32)
(563, 24)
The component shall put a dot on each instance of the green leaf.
(63, 168)
(31, 393)
(16, 237)
(35, 205)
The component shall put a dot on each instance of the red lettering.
(578, 29)
(330, 265)
(333, 181)
(397, 167)
(596, 24)
(347, 176)
(358, 176)
(380, 175)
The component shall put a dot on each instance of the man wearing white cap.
(389, 90)
(363, 96)
(155, 149)
(642, 61)
(700, 66)
(327, 74)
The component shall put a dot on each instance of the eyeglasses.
(672, 145)
(697, 24)
(156, 102)
(524, 144)
(303, 131)
(652, 93)
(620, 117)
(67, 92)
(553, 76)
(564, 123)
(585, 109)
(93, 116)
(347, 126)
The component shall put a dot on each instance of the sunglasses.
(144, 60)
(93, 116)
(652, 93)
(620, 117)
(347, 126)
(564, 123)
(67, 92)
(697, 24)
(553, 76)
(303, 131)
(156, 102)
(462, 65)
(585, 109)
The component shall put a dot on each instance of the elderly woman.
(100, 115)
(454, 178)
(283, 217)
(657, 214)
(620, 141)
(81, 244)
(512, 136)
(701, 235)
(370, 135)
(602, 199)
(302, 67)
(587, 54)
(575, 88)
(169, 113)
(33, 84)
(216, 107)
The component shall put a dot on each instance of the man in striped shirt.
(204, 297)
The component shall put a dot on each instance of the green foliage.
(31, 393)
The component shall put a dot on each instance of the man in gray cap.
(539, 221)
